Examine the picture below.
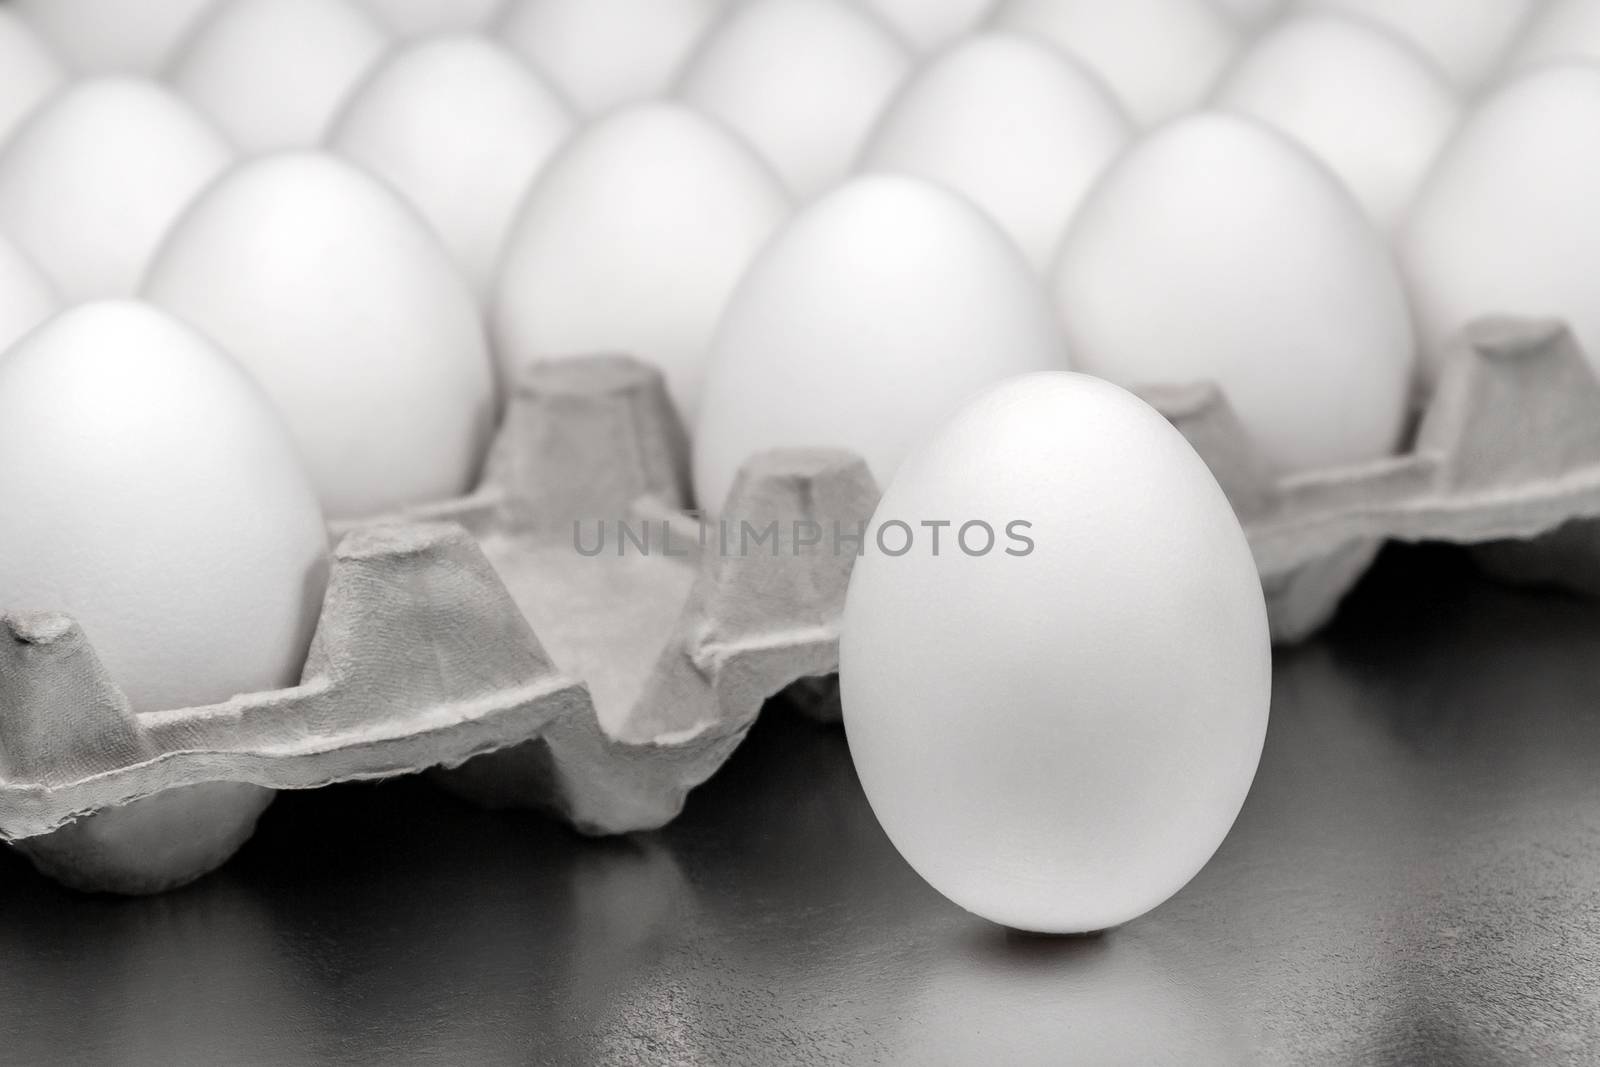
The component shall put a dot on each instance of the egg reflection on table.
(461, 127)
(1057, 730)
(347, 309)
(1009, 122)
(869, 319)
(802, 81)
(91, 183)
(1216, 250)
(633, 241)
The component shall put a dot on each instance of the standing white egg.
(1009, 122)
(1467, 38)
(26, 296)
(347, 309)
(1159, 57)
(1216, 250)
(1363, 101)
(273, 73)
(876, 313)
(115, 36)
(1561, 30)
(422, 18)
(802, 80)
(91, 183)
(633, 241)
(32, 71)
(148, 490)
(1058, 739)
(1506, 223)
(604, 53)
(931, 24)
(461, 127)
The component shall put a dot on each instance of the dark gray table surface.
(1415, 878)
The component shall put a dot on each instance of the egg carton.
(1505, 458)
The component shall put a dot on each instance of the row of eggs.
(376, 296)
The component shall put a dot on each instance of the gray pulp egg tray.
(533, 654)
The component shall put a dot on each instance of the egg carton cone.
(675, 630)
(1505, 458)
(419, 659)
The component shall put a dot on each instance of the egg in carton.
(1505, 458)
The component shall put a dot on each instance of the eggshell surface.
(461, 127)
(875, 314)
(1506, 224)
(114, 36)
(1370, 107)
(802, 81)
(605, 53)
(421, 18)
(931, 24)
(1159, 57)
(26, 296)
(633, 241)
(149, 491)
(1561, 30)
(1012, 124)
(32, 71)
(1216, 250)
(90, 185)
(346, 308)
(1058, 740)
(273, 73)
(1467, 38)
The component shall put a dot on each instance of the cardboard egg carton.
(1505, 457)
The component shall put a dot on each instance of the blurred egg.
(1561, 30)
(1251, 13)
(273, 73)
(32, 71)
(1159, 57)
(1058, 734)
(875, 314)
(346, 308)
(149, 491)
(460, 127)
(802, 80)
(1012, 124)
(1365, 103)
(1466, 38)
(931, 24)
(91, 183)
(114, 36)
(602, 53)
(1505, 224)
(1216, 250)
(421, 18)
(26, 296)
(632, 241)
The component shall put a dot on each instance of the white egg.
(1160, 57)
(1216, 250)
(115, 36)
(461, 127)
(421, 18)
(1467, 38)
(603, 53)
(801, 80)
(148, 490)
(347, 309)
(1251, 13)
(273, 73)
(1561, 30)
(930, 24)
(1365, 103)
(632, 241)
(1012, 124)
(91, 183)
(26, 296)
(1057, 740)
(32, 71)
(1506, 223)
(876, 313)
